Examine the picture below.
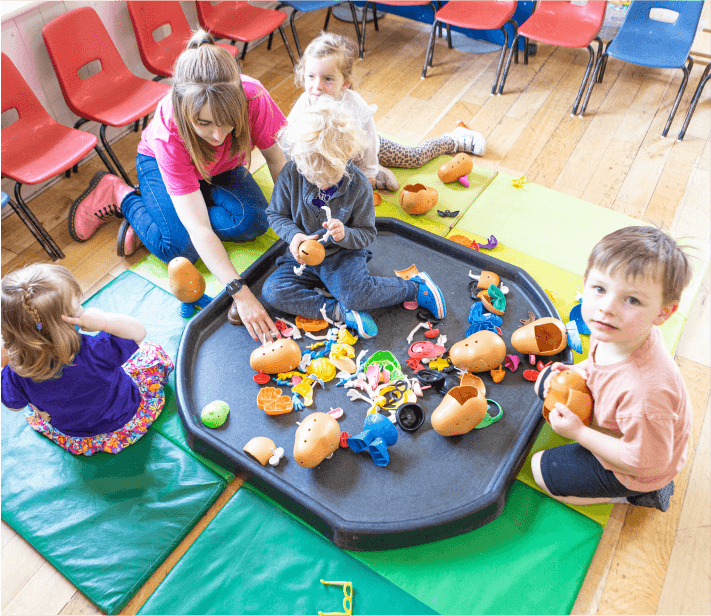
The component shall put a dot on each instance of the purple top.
(92, 396)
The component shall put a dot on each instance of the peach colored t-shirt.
(162, 141)
(645, 399)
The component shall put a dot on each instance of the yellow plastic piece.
(345, 350)
(285, 376)
(347, 599)
(322, 368)
(519, 182)
(345, 337)
(439, 364)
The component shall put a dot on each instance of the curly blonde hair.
(321, 141)
(38, 342)
(207, 75)
(327, 44)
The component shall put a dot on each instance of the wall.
(22, 41)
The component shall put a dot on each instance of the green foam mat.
(256, 559)
(531, 560)
(106, 522)
(158, 311)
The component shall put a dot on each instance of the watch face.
(234, 286)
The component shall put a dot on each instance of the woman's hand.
(255, 317)
(565, 422)
(296, 241)
(90, 320)
(336, 229)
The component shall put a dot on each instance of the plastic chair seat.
(245, 23)
(562, 29)
(37, 153)
(631, 46)
(131, 98)
(469, 15)
(311, 5)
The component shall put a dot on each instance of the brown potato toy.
(281, 355)
(186, 282)
(570, 389)
(316, 438)
(480, 352)
(312, 252)
(546, 336)
(418, 199)
(455, 168)
(460, 411)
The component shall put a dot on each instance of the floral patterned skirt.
(149, 367)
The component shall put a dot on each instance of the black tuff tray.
(433, 487)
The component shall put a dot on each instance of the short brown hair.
(643, 251)
(343, 49)
(38, 342)
(207, 75)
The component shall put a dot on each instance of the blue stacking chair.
(644, 39)
(305, 6)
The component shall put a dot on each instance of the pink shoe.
(128, 241)
(99, 201)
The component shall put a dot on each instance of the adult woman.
(195, 189)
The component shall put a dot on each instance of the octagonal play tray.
(433, 487)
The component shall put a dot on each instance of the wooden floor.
(647, 562)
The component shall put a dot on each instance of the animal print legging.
(393, 154)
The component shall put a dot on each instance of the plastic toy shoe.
(378, 434)
(429, 296)
(362, 322)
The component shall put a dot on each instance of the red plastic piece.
(511, 362)
(261, 378)
(540, 365)
(531, 375)
(432, 333)
(414, 363)
(344, 438)
(280, 325)
(423, 349)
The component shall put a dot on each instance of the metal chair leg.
(328, 18)
(680, 93)
(244, 51)
(600, 46)
(286, 44)
(449, 36)
(355, 23)
(501, 60)
(430, 51)
(35, 227)
(591, 61)
(293, 33)
(114, 158)
(598, 64)
(362, 27)
(515, 29)
(603, 66)
(694, 101)
(508, 63)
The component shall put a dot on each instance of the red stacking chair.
(35, 148)
(474, 16)
(564, 24)
(237, 20)
(391, 3)
(159, 57)
(113, 96)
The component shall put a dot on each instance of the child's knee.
(536, 470)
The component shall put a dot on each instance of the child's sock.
(659, 499)
(469, 141)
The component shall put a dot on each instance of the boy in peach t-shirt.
(637, 442)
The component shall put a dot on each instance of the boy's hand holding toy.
(296, 241)
(565, 422)
(335, 228)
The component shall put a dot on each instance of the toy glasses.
(347, 601)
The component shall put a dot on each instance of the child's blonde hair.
(321, 141)
(326, 44)
(207, 75)
(643, 251)
(38, 342)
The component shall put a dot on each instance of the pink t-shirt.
(162, 141)
(644, 398)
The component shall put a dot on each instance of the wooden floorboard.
(646, 562)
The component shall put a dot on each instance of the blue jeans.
(235, 205)
(345, 275)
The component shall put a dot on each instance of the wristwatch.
(234, 286)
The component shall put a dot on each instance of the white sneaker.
(469, 141)
(386, 180)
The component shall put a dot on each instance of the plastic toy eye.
(410, 416)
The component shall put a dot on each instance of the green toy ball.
(215, 414)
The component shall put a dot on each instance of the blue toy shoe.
(429, 296)
(362, 322)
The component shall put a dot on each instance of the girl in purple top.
(192, 165)
(86, 393)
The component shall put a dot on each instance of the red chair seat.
(476, 15)
(131, 98)
(554, 23)
(31, 155)
(244, 23)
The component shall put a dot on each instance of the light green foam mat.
(254, 558)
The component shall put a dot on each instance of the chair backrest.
(146, 17)
(75, 39)
(646, 15)
(17, 94)
(591, 13)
